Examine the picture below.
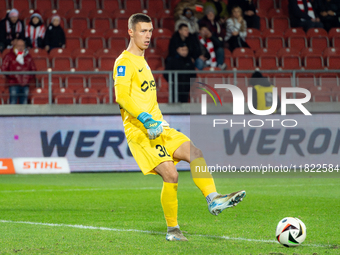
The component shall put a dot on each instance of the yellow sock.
(203, 180)
(170, 203)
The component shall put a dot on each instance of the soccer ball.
(290, 232)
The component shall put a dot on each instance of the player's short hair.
(136, 18)
(182, 25)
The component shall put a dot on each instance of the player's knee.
(173, 177)
(196, 153)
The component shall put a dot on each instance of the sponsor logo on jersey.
(121, 70)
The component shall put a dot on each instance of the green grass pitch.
(120, 213)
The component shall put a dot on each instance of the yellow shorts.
(150, 153)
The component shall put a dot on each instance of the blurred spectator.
(35, 31)
(262, 92)
(329, 12)
(11, 29)
(188, 18)
(236, 30)
(220, 8)
(191, 41)
(181, 61)
(18, 59)
(55, 35)
(301, 14)
(214, 52)
(249, 12)
(209, 20)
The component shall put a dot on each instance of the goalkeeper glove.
(153, 127)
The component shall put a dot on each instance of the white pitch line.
(147, 232)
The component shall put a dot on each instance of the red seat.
(98, 81)
(116, 33)
(79, 23)
(316, 32)
(265, 52)
(167, 23)
(95, 43)
(4, 5)
(275, 42)
(242, 52)
(265, 5)
(89, 99)
(37, 52)
(102, 24)
(41, 63)
(254, 42)
(85, 63)
(106, 63)
(322, 98)
(268, 62)
(91, 33)
(288, 52)
(334, 32)
(321, 94)
(245, 62)
(135, 6)
(282, 80)
(320, 42)
(162, 45)
(73, 33)
(311, 52)
(62, 64)
(62, 91)
(330, 80)
(161, 33)
(21, 5)
(66, 5)
(155, 62)
(83, 52)
(64, 99)
(99, 13)
(291, 62)
(43, 5)
(111, 5)
(75, 82)
(118, 43)
(39, 99)
(88, 5)
(59, 52)
(297, 41)
(336, 42)
(275, 12)
(56, 82)
(305, 80)
(107, 53)
(291, 32)
(280, 23)
(121, 23)
(331, 52)
(272, 32)
(263, 23)
(333, 62)
(76, 13)
(73, 43)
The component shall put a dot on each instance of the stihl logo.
(40, 165)
(6, 166)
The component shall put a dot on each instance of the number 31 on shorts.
(162, 151)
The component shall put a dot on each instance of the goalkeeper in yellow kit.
(156, 147)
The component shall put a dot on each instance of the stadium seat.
(298, 42)
(76, 13)
(162, 45)
(88, 5)
(66, 5)
(331, 52)
(167, 23)
(41, 63)
(316, 32)
(62, 64)
(155, 62)
(310, 52)
(116, 33)
(268, 62)
(274, 42)
(62, 91)
(39, 99)
(263, 23)
(111, 5)
(336, 42)
(121, 23)
(275, 12)
(85, 63)
(64, 99)
(98, 81)
(106, 63)
(118, 43)
(288, 52)
(79, 23)
(4, 5)
(102, 24)
(135, 6)
(330, 80)
(320, 42)
(107, 53)
(266, 5)
(73, 33)
(245, 62)
(75, 82)
(333, 62)
(73, 43)
(242, 52)
(21, 5)
(59, 52)
(83, 52)
(99, 13)
(161, 33)
(37, 52)
(254, 42)
(305, 80)
(155, 6)
(282, 80)
(89, 99)
(291, 32)
(280, 23)
(95, 42)
(334, 32)
(291, 62)
(44, 5)
(253, 32)
(265, 52)
(56, 82)
(321, 94)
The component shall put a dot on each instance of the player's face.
(142, 34)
